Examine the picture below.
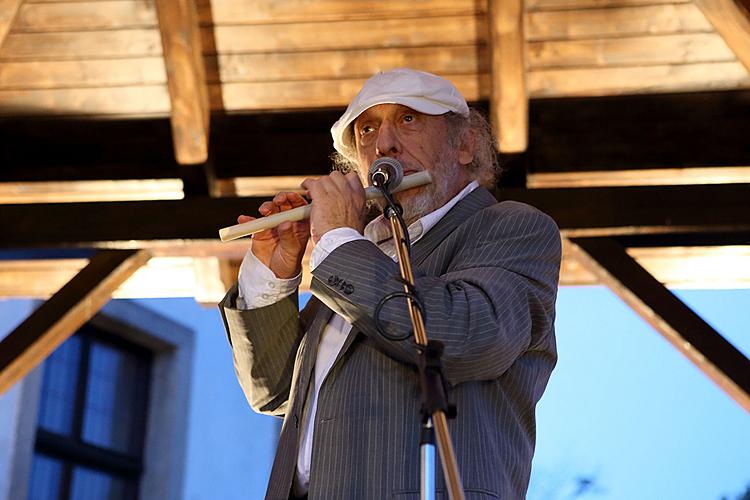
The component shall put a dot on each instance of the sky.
(626, 416)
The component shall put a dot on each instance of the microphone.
(386, 173)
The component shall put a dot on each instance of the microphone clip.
(393, 210)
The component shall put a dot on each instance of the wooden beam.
(132, 100)
(292, 11)
(82, 73)
(616, 81)
(124, 43)
(8, 11)
(509, 101)
(592, 4)
(322, 93)
(58, 318)
(616, 21)
(685, 330)
(420, 31)
(679, 48)
(732, 21)
(354, 63)
(98, 190)
(640, 177)
(83, 15)
(257, 185)
(186, 78)
(578, 212)
(198, 275)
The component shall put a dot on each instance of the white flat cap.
(420, 91)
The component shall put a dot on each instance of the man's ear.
(467, 147)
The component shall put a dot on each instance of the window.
(91, 420)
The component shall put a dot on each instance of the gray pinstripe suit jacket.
(487, 273)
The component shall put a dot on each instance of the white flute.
(300, 213)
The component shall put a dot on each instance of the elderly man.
(486, 273)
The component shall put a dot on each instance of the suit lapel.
(472, 203)
(353, 334)
(320, 315)
(313, 317)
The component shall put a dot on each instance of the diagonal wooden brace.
(672, 318)
(60, 316)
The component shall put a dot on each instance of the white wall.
(16, 427)
(230, 448)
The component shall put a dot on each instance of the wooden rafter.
(732, 21)
(666, 313)
(186, 77)
(58, 318)
(509, 100)
(640, 177)
(577, 211)
(8, 11)
(90, 190)
(199, 271)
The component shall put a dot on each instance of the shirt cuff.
(259, 287)
(330, 241)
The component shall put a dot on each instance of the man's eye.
(366, 129)
(408, 118)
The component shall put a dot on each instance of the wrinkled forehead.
(389, 111)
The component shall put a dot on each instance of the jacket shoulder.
(507, 212)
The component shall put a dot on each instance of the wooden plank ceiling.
(199, 101)
(104, 57)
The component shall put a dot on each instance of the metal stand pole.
(434, 398)
(427, 461)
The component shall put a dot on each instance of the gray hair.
(484, 168)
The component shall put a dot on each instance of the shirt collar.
(379, 229)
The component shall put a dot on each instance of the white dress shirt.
(259, 287)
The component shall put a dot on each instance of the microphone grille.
(392, 165)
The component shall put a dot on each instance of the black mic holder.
(432, 381)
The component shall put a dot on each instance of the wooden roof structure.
(133, 129)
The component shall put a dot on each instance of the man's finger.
(315, 187)
(268, 208)
(296, 199)
(354, 182)
(244, 218)
(281, 200)
(339, 181)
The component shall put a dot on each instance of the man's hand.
(281, 249)
(338, 200)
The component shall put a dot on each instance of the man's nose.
(388, 142)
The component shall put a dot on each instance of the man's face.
(419, 142)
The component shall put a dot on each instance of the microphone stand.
(435, 407)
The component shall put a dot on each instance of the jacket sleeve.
(493, 300)
(264, 348)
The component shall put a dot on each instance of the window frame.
(165, 445)
(72, 450)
